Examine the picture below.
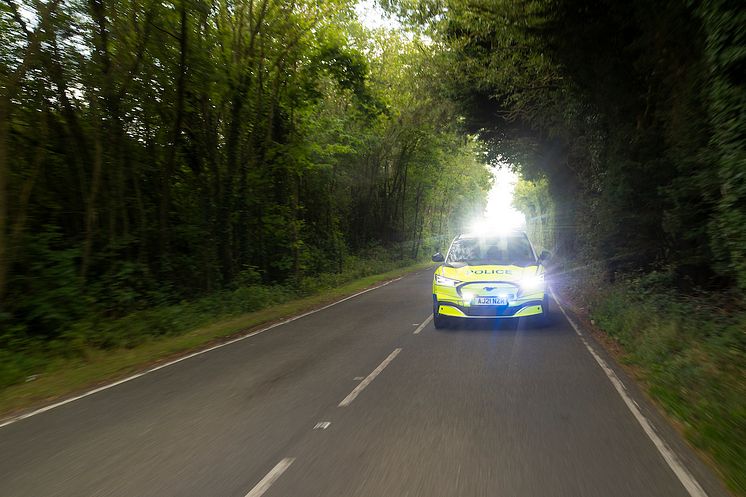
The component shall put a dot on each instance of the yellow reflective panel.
(529, 311)
(447, 310)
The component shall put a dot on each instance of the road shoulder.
(700, 468)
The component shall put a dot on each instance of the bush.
(692, 353)
(50, 295)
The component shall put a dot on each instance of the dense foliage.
(533, 199)
(155, 151)
(635, 113)
(628, 122)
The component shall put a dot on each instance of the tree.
(151, 152)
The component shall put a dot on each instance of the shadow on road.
(491, 325)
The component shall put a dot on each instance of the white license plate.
(490, 301)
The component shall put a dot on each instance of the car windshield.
(505, 250)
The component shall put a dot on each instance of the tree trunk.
(4, 172)
(168, 170)
(416, 230)
(11, 84)
(24, 197)
(91, 211)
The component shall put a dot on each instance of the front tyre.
(439, 321)
(543, 319)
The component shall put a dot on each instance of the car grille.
(487, 288)
(488, 310)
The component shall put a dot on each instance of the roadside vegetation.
(689, 350)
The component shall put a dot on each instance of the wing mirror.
(438, 257)
(544, 256)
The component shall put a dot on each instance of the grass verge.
(690, 353)
(64, 375)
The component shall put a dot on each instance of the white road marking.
(270, 478)
(358, 378)
(322, 425)
(372, 376)
(189, 356)
(422, 326)
(691, 485)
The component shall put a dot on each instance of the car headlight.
(443, 281)
(533, 283)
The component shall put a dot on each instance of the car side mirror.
(544, 256)
(438, 257)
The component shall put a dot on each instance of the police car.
(490, 276)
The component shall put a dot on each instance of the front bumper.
(529, 308)
(457, 301)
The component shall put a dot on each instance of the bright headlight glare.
(443, 281)
(534, 282)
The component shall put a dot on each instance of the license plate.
(490, 301)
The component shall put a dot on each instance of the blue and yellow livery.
(490, 276)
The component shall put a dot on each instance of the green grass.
(691, 353)
(132, 343)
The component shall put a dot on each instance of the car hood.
(488, 273)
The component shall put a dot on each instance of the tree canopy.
(154, 151)
(633, 112)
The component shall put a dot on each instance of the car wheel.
(543, 319)
(439, 321)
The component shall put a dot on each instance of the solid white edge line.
(270, 478)
(422, 326)
(184, 358)
(688, 481)
(372, 376)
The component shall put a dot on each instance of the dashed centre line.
(422, 326)
(271, 477)
(372, 376)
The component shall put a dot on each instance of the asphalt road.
(488, 410)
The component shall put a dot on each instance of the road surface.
(351, 402)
